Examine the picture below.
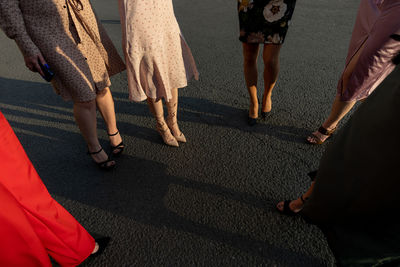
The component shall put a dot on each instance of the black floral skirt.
(264, 21)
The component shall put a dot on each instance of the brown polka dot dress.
(158, 58)
(71, 39)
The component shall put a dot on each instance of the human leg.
(292, 207)
(172, 119)
(85, 117)
(105, 104)
(250, 54)
(271, 70)
(339, 108)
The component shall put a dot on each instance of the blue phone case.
(48, 73)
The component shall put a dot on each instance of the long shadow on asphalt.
(204, 111)
(34, 106)
(139, 188)
(36, 101)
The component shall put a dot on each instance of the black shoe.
(264, 115)
(251, 121)
(120, 146)
(104, 164)
(286, 208)
(102, 242)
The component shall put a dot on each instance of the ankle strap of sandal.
(325, 131)
(303, 200)
(113, 134)
(94, 153)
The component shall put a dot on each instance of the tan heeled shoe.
(179, 137)
(166, 135)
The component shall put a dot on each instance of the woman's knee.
(86, 105)
(270, 61)
(103, 92)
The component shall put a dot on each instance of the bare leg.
(271, 70)
(157, 109)
(105, 104)
(172, 119)
(85, 117)
(250, 54)
(339, 108)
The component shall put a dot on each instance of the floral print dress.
(264, 21)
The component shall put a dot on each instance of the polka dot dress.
(157, 56)
(71, 39)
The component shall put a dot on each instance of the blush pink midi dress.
(157, 56)
(376, 21)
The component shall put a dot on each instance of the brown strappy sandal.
(318, 140)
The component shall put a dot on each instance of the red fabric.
(32, 223)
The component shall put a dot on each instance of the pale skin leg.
(339, 108)
(271, 70)
(105, 104)
(85, 117)
(250, 54)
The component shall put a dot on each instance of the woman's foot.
(100, 246)
(252, 118)
(253, 110)
(266, 106)
(117, 145)
(176, 132)
(291, 207)
(321, 135)
(166, 134)
(96, 248)
(100, 157)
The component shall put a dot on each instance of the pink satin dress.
(376, 21)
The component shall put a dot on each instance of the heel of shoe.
(120, 147)
(103, 165)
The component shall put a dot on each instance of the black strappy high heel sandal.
(286, 208)
(104, 164)
(120, 146)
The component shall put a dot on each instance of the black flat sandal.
(286, 208)
(104, 164)
(120, 146)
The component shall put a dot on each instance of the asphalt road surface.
(210, 202)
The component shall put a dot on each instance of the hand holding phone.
(48, 74)
(36, 63)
